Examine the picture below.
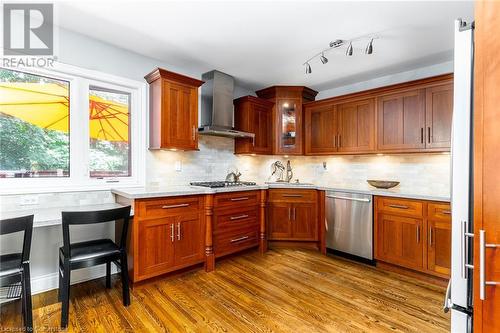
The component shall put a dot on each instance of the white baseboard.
(50, 281)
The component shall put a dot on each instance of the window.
(67, 129)
(34, 126)
(109, 124)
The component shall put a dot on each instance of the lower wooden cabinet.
(292, 215)
(167, 234)
(236, 222)
(414, 234)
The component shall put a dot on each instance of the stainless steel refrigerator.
(459, 293)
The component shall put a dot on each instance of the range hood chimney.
(217, 106)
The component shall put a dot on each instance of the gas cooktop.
(218, 184)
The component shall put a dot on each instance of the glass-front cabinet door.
(290, 130)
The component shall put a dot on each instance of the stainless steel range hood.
(217, 106)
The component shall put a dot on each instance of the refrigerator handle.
(465, 249)
(447, 298)
(482, 269)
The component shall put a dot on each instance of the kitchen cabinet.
(293, 215)
(401, 121)
(236, 222)
(356, 126)
(438, 114)
(414, 234)
(287, 117)
(253, 115)
(167, 234)
(409, 117)
(400, 241)
(173, 117)
(320, 130)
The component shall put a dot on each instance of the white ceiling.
(265, 43)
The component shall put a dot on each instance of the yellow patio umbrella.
(46, 105)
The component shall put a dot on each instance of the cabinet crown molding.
(168, 75)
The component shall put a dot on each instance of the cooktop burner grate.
(217, 184)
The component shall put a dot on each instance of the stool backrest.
(93, 217)
(18, 224)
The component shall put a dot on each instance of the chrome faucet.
(289, 172)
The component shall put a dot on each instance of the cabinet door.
(261, 117)
(439, 248)
(289, 131)
(189, 239)
(439, 110)
(399, 240)
(321, 129)
(401, 121)
(304, 222)
(356, 126)
(279, 215)
(179, 116)
(155, 245)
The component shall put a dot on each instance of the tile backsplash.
(216, 158)
(417, 172)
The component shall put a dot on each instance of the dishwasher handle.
(348, 198)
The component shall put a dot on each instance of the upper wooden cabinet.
(320, 129)
(173, 119)
(356, 126)
(438, 114)
(287, 117)
(254, 115)
(401, 120)
(407, 117)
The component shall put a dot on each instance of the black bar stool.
(15, 267)
(92, 253)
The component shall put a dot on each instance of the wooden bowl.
(383, 183)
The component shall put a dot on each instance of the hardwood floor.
(283, 291)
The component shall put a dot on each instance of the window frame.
(80, 80)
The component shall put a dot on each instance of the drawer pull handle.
(239, 239)
(446, 212)
(172, 232)
(239, 217)
(292, 195)
(239, 199)
(175, 206)
(399, 206)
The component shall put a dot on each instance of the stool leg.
(61, 289)
(124, 275)
(108, 275)
(27, 305)
(65, 296)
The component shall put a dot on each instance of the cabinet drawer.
(236, 199)
(400, 206)
(168, 206)
(439, 211)
(236, 240)
(234, 218)
(292, 195)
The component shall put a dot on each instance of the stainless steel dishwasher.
(349, 223)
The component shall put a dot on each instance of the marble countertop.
(45, 217)
(145, 192)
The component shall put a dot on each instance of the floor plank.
(284, 290)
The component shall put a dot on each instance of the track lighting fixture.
(350, 44)
(348, 52)
(369, 47)
(308, 68)
(323, 59)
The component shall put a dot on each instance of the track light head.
(336, 43)
(349, 50)
(308, 68)
(369, 47)
(323, 59)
